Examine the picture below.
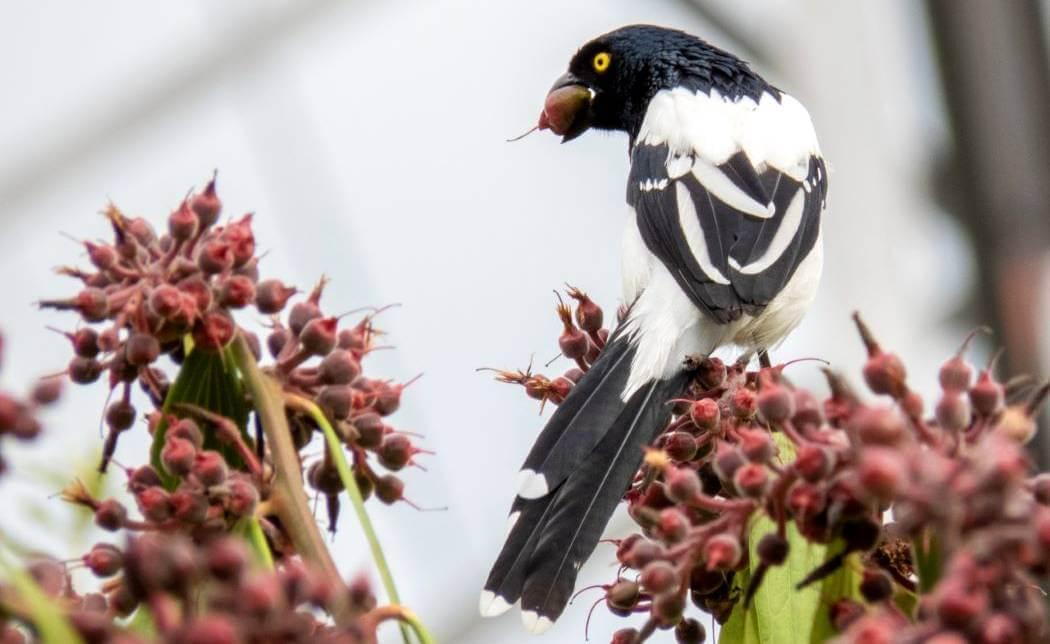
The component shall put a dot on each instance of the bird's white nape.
(534, 622)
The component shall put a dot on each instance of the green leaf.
(208, 380)
(927, 553)
(47, 619)
(779, 613)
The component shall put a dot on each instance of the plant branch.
(288, 496)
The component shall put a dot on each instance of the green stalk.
(336, 450)
(253, 533)
(287, 497)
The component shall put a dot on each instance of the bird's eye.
(601, 61)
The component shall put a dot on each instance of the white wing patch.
(694, 235)
(719, 185)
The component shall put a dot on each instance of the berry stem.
(335, 451)
(288, 496)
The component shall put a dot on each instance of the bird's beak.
(567, 110)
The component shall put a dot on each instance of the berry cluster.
(173, 295)
(203, 594)
(18, 416)
(943, 509)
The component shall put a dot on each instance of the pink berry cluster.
(153, 297)
(18, 415)
(885, 483)
(208, 593)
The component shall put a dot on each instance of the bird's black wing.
(730, 234)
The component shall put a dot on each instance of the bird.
(722, 247)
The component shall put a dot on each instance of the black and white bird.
(722, 247)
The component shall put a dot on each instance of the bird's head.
(611, 79)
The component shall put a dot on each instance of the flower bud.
(395, 452)
(120, 415)
(318, 336)
(92, 304)
(728, 460)
(301, 314)
(84, 371)
(642, 552)
(243, 497)
(186, 428)
(668, 608)
(370, 429)
(165, 301)
(681, 484)
(623, 595)
(226, 559)
(214, 331)
(155, 504)
(336, 401)
(987, 395)
(672, 525)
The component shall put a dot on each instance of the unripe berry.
(155, 504)
(642, 552)
(728, 460)
(236, 292)
(92, 304)
(772, 549)
(775, 403)
(120, 415)
(339, 368)
(301, 313)
(573, 343)
(84, 371)
(987, 395)
(813, 462)
(165, 301)
(110, 515)
(102, 257)
(742, 402)
(141, 349)
(210, 468)
(395, 452)
(207, 205)
(389, 489)
(178, 455)
(953, 410)
(186, 428)
(705, 413)
(690, 631)
(756, 445)
(46, 391)
(189, 504)
(658, 577)
(318, 336)
(668, 608)
(623, 594)
(625, 636)
(226, 559)
(85, 342)
(182, 223)
(214, 331)
(336, 401)
(243, 497)
(672, 525)
(878, 425)
(876, 586)
(370, 429)
(271, 296)
(722, 552)
(104, 560)
(881, 473)
(751, 480)
(680, 446)
(681, 484)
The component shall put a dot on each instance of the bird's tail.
(571, 482)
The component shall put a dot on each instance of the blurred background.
(369, 139)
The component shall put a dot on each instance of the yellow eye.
(601, 61)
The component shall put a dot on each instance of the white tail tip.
(532, 485)
(491, 605)
(534, 623)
